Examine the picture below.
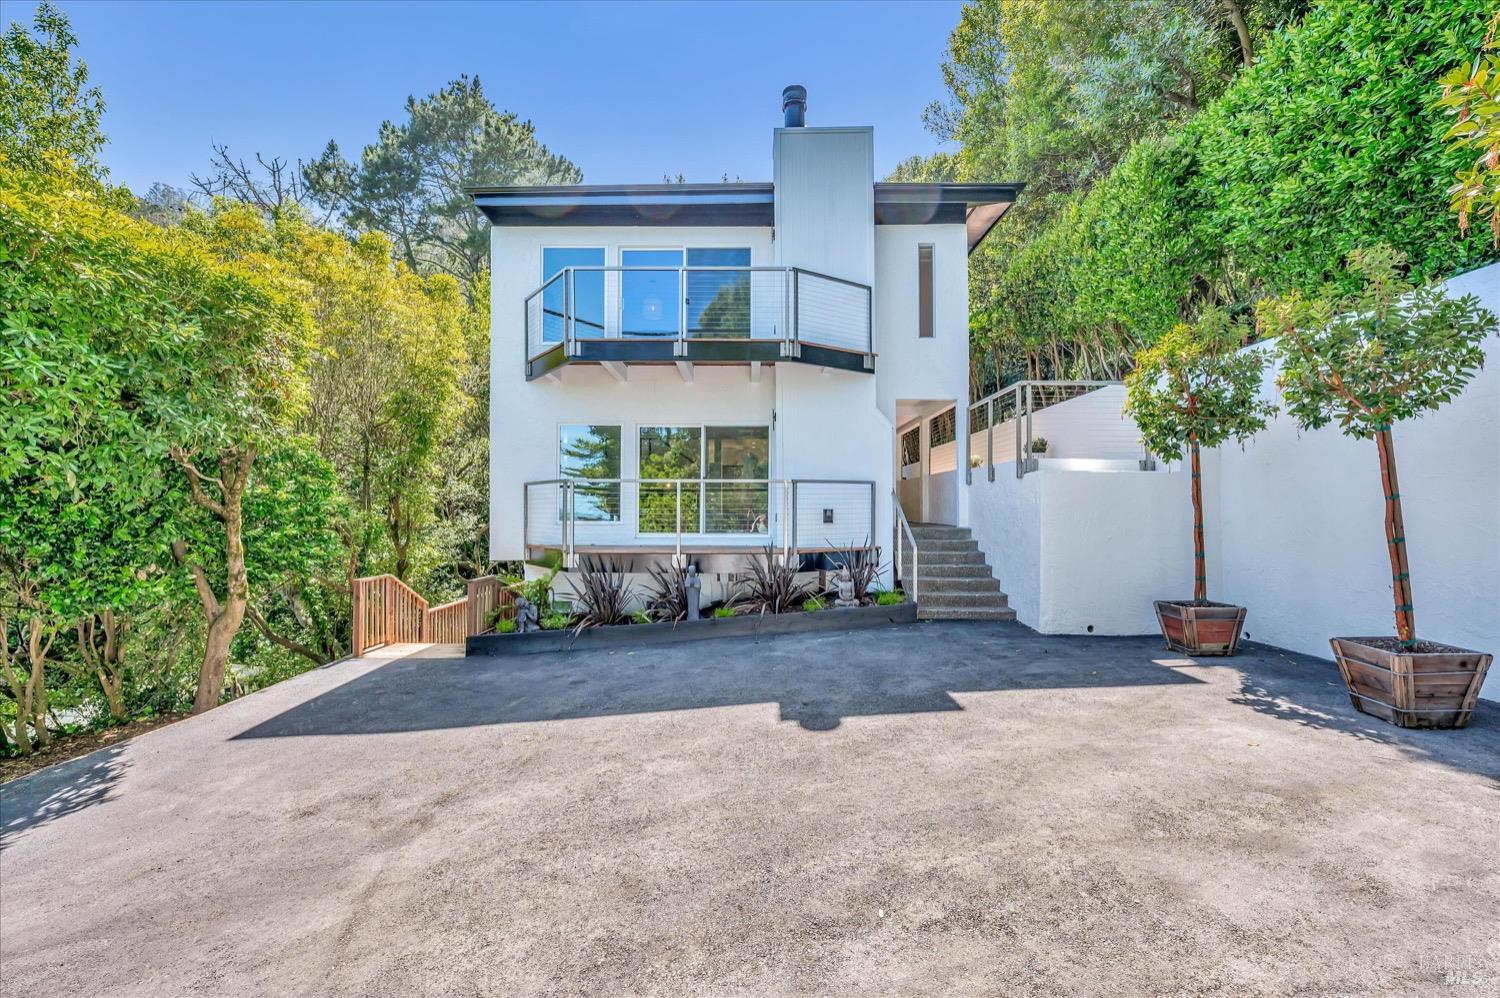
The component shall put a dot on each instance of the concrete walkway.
(941, 808)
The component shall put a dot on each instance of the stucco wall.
(1295, 529)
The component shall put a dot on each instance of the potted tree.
(1387, 352)
(1194, 388)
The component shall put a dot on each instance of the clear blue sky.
(627, 91)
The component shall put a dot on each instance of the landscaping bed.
(742, 625)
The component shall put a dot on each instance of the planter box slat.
(1411, 689)
(1200, 630)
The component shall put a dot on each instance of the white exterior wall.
(1294, 524)
(828, 423)
(932, 368)
(525, 415)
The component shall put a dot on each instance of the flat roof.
(977, 206)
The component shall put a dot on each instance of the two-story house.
(698, 371)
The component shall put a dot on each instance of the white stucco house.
(699, 371)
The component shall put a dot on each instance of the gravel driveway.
(940, 808)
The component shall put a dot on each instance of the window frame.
(926, 291)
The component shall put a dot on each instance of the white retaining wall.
(1295, 525)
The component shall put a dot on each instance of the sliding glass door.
(650, 300)
(718, 301)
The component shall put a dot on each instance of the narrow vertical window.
(925, 321)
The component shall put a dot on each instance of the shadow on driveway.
(816, 679)
(51, 793)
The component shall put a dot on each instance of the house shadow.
(48, 794)
(816, 679)
(1308, 691)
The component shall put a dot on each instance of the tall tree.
(410, 182)
(47, 107)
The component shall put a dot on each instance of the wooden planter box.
(1210, 629)
(746, 625)
(1434, 689)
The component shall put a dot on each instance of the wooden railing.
(387, 611)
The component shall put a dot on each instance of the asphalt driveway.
(943, 808)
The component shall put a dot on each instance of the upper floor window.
(718, 300)
(925, 298)
(588, 292)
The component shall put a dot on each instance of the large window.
(591, 453)
(588, 293)
(680, 458)
(718, 301)
(650, 299)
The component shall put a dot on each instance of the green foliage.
(555, 621)
(47, 108)
(1392, 349)
(410, 182)
(1038, 445)
(537, 591)
(1194, 386)
(814, 604)
(1327, 143)
(506, 627)
(890, 598)
(1471, 93)
(723, 612)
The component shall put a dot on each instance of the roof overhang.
(976, 206)
(636, 204)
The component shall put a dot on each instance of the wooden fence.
(387, 611)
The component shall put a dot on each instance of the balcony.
(620, 316)
(682, 516)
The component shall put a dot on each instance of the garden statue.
(527, 616)
(845, 583)
(693, 588)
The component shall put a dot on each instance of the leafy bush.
(537, 591)
(771, 585)
(864, 568)
(506, 626)
(1038, 445)
(666, 593)
(721, 612)
(555, 621)
(890, 598)
(604, 595)
(814, 604)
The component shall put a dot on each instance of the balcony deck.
(616, 317)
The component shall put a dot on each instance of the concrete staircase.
(954, 582)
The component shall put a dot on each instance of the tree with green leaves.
(1195, 388)
(410, 182)
(1388, 351)
(47, 108)
(1472, 95)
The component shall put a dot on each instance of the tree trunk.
(37, 650)
(1395, 540)
(1200, 564)
(1237, 18)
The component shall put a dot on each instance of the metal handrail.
(1020, 390)
(902, 526)
(570, 487)
(790, 334)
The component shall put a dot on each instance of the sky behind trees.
(629, 92)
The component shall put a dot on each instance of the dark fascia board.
(978, 206)
(629, 204)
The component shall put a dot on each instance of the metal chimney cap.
(795, 93)
(794, 106)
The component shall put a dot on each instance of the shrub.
(814, 604)
(771, 585)
(666, 593)
(890, 598)
(604, 595)
(1038, 445)
(721, 612)
(506, 626)
(537, 591)
(864, 568)
(555, 621)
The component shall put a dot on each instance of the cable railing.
(684, 305)
(1012, 425)
(676, 514)
(901, 529)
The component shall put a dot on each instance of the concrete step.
(938, 532)
(925, 558)
(926, 570)
(973, 600)
(961, 584)
(947, 544)
(925, 612)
